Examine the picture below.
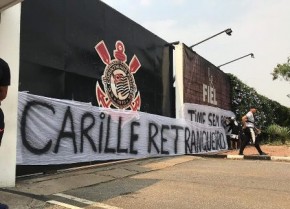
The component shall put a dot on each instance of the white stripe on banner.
(53, 131)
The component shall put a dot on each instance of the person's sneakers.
(241, 154)
(263, 153)
(3, 206)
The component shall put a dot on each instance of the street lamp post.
(251, 54)
(227, 31)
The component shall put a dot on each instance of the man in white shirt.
(249, 129)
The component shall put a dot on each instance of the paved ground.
(169, 182)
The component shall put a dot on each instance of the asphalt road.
(174, 182)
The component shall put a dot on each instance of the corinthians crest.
(120, 89)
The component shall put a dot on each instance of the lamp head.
(252, 55)
(228, 31)
(172, 43)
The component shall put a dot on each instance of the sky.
(261, 27)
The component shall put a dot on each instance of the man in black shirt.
(4, 83)
(233, 133)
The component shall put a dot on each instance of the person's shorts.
(2, 125)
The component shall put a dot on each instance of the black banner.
(58, 57)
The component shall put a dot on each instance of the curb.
(205, 155)
(276, 158)
(235, 157)
(79, 168)
(245, 157)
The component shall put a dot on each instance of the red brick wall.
(199, 72)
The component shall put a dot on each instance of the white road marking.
(102, 205)
(88, 202)
(63, 204)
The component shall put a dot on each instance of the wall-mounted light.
(251, 54)
(227, 31)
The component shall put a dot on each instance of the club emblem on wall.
(120, 89)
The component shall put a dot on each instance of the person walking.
(250, 132)
(4, 83)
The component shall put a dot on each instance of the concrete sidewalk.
(35, 192)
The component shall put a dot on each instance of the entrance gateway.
(74, 76)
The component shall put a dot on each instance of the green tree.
(282, 71)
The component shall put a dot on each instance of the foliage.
(282, 71)
(276, 132)
(269, 111)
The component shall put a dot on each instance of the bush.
(269, 111)
(276, 132)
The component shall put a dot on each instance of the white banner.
(207, 115)
(52, 131)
